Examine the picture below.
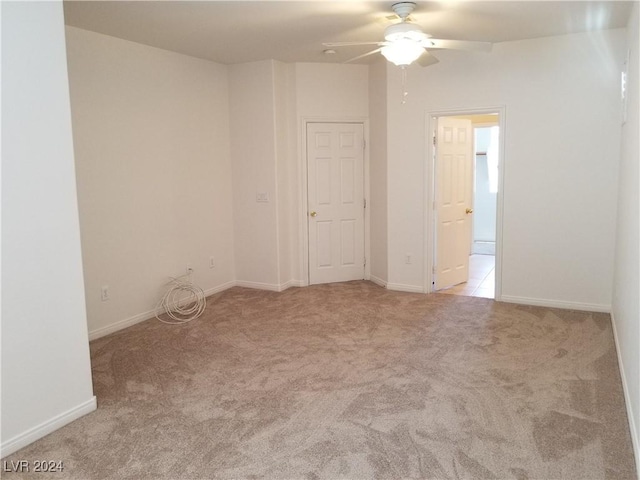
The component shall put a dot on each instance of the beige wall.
(151, 138)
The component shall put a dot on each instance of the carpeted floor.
(352, 381)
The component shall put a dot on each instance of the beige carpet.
(352, 381)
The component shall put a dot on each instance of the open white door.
(335, 190)
(454, 200)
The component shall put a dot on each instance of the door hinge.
(365, 202)
(365, 261)
(434, 139)
(364, 144)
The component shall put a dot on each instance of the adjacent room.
(416, 226)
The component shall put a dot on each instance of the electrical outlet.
(407, 259)
(212, 262)
(104, 293)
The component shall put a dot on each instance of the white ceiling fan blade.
(348, 44)
(363, 55)
(457, 45)
(427, 59)
(395, 18)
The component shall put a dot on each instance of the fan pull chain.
(404, 85)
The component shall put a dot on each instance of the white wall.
(151, 137)
(378, 160)
(45, 349)
(155, 136)
(626, 285)
(332, 90)
(561, 96)
(171, 152)
(325, 92)
(268, 102)
(253, 153)
(286, 173)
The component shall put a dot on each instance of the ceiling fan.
(405, 42)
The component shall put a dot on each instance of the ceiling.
(293, 31)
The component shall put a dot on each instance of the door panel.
(348, 238)
(454, 190)
(335, 189)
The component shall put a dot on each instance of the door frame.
(303, 201)
(430, 191)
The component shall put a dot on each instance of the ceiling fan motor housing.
(404, 30)
(403, 9)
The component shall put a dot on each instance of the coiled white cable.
(179, 307)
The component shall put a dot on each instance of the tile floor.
(481, 278)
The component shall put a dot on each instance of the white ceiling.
(293, 31)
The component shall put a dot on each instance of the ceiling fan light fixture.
(402, 52)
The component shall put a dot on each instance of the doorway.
(466, 216)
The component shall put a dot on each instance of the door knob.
(313, 214)
(468, 211)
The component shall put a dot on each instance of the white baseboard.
(120, 325)
(141, 317)
(635, 435)
(292, 283)
(220, 288)
(378, 281)
(22, 440)
(272, 287)
(542, 302)
(405, 288)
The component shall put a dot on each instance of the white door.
(454, 200)
(335, 189)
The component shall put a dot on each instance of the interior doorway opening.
(466, 190)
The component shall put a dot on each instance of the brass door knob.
(313, 214)
(468, 211)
